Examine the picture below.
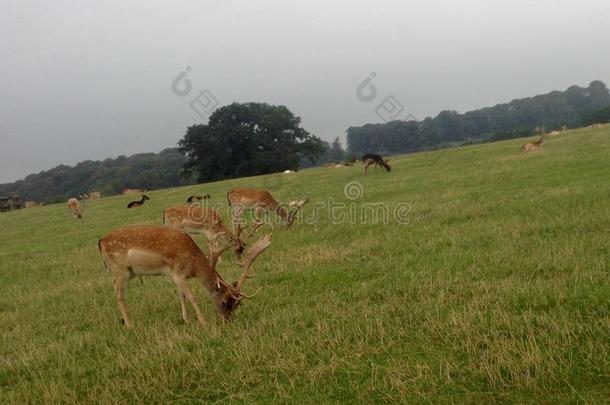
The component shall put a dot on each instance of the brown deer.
(138, 203)
(530, 146)
(196, 219)
(75, 208)
(260, 202)
(372, 158)
(148, 250)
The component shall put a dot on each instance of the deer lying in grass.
(148, 250)
(195, 198)
(138, 203)
(195, 219)
(377, 160)
(75, 208)
(530, 146)
(260, 202)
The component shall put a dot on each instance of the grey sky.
(88, 80)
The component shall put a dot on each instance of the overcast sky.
(88, 80)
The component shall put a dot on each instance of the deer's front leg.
(188, 293)
(185, 315)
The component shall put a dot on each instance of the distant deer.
(195, 219)
(75, 208)
(149, 250)
(138, 203)
(259, 201)
(195, 198)
(338, 165)
(377, 160)
(530, 146)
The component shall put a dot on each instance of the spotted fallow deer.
(197, 219)
(75, 208)
(148, 250)
(260, 201)
(530, 146)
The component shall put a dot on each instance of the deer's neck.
(208, 278)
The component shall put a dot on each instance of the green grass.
(496, 289)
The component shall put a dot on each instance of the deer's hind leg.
(366, 166)
(120, 282)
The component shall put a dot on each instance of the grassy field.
(492, 285)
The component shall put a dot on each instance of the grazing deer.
(377, 160)
(195, 198)
(148, 250)
(138, 203)
(530, 146)
(75, 208)
(259, 201)
(195, 219)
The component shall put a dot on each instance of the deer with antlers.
(260, 202)
(197, 219)
(148, 250)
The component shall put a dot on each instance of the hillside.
(110, 177)
(488, 283)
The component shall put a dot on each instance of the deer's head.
(228, 296)
(295, 206)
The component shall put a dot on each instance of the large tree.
(245, 140)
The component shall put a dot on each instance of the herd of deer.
(169, 249)
(149, 250)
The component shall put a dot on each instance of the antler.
(253, 252)
(299, 204)
(238, 231)
(216, 250)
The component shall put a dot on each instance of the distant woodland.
(272, 138)
(575, 107)
(110, 176)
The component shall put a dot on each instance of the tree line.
(250, 139)
(575, 107)
(110, 177)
